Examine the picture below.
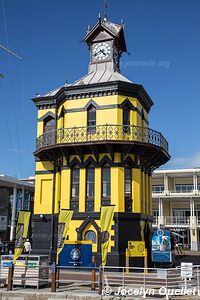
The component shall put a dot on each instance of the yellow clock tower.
(94, 148)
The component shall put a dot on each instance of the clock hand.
(97, 53)
(103, 52)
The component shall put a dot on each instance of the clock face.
(101, 51)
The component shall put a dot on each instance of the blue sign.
(161, 246)
(76, 255)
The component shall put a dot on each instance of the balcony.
(178, 222)
(144, 142)
(170, 221)
(177, 194)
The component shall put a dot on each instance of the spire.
(105, 10)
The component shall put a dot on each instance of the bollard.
(53, 277)
(57, 277)
(100, 280)
(10, 277)
(93, 274)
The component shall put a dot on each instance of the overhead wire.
(12, 90)
(8, 130)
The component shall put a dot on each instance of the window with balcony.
(126, 120)
(106, 185)
(157, 189)
(128, 189)
(184, 188)
(90, 180)
(91, 119)
(74, 205)
(49, 124)
(49, 130)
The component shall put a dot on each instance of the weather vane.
(105, 10)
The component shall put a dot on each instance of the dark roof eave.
(123, 87)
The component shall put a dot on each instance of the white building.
(176, 202)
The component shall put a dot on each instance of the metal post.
(93, 274)
(100, 280)
(10, 277)
(198, 280)
(127, 261)
(52, 253)
(23, 197)
(12, 227)
(53, 278)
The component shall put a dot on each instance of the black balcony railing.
(102, 133)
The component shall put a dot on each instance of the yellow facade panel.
(44, 165)
(136, 190)
(65, 189)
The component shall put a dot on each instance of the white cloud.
(186, 162)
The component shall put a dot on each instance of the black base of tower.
(127, 227)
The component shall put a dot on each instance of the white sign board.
(186, 270)
(161, 273)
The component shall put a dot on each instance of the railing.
(115, 282)
(102, 133)
(172, 283)
(177, 193)
(172, 221)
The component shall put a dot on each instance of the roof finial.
(105, 10)
(99, 17)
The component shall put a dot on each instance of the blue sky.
(164, 44)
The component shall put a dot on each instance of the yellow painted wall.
(65, 188)
(82, 192)
(97, 191)
(44, 166)
(43, 194)
(136, 190)
(117, 188)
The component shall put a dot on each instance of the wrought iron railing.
(102, 133)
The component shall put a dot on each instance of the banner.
(64, 219)
(21, 232)
(107, 213)
(161, 246)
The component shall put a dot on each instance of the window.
(106, 182)
(49, 131)
(91, 123)
(184, 188)
(128, 182)
(90, 175)
(90, 183)
(128, 189)
(90, 235)
(75, 183)
(49, 124)
(157, 189)
(126, 120)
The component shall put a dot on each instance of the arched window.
(90, 235)
(126, 119)
(91, 119)
(49, 124)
